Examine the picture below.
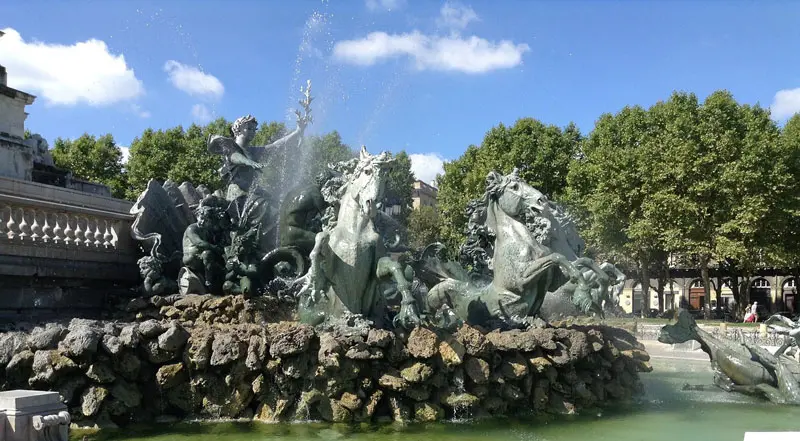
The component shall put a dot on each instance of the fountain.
(287, 305)
(327, 326)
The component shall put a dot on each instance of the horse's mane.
(480, 237)
(335, 187)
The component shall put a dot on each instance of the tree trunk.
(668, 279)
(644, 274)
(718, 295)
(706, 285)
(738, 295)
(660, 293)
(746, 282)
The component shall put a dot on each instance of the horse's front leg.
(602, 278)
(314, 279)
(582, 296)
(409, 316)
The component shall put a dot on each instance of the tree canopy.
(542, 154)
(93, 159)
(702, 181)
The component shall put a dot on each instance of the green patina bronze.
(739, 367)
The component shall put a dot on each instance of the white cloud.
(137, 109)
(126, 153)
(472, 55)
(384, 5)
(193, 81)
(202, 114)
(785, 104)
(84, 72)
(426, 166)
(456, 16)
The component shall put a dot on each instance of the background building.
(424, 195)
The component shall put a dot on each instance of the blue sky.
(429, 77)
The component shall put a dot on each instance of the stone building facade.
(16, 156)
(424, 195)
(777, 293)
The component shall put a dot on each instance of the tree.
(324, 150)
(196, 164)
(542, 154)
(607, 186)
(400, 186)
(732, 187)
(701, 181)
(93, 159)
(787, 214)
(152, 156)
(423, 227)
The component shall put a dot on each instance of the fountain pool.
(666, 413)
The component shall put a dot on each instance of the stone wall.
(16, 158)
(12, 111)
(55, 243)
(112, 373)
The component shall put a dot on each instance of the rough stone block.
(32, 415)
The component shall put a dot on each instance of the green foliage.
(541, 152)
(699, 180)
(92, 159)
(27, 134)
(153, 155)
(267, 132)
(423, 227)
(400, 185)
(325, 150)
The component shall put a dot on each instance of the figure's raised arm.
(303, 119)
(292, 139)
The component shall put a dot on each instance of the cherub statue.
(204, 242)
(154, 283)
(242, 264)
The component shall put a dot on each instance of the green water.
(666, 413)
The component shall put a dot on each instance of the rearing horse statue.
(524, 270)
(349, 258)
(606, 280)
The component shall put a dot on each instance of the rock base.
(117, 373)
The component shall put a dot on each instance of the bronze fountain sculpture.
(334, 244)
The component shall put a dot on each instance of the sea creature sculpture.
(523, 270)
(740, 367)
(349, 258)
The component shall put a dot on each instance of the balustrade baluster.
(88, 235)
(12, 225)
(115, 237)
(107, 236)
(24, 227)
(69, 233)
(36, 229)
(58, 230)
(98, 235)
(47, 230)
(3, 228)
(78, 232)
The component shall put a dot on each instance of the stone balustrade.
(43, 222)
(55, 239)
(58, 226)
